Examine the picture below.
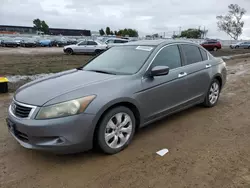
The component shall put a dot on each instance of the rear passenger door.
(91, 47)
(198, 69)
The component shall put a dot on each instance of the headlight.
(68, 108)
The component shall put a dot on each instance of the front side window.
(83, 43)
(110, 41)
(120, 60)
(168, 56)
(192, 53)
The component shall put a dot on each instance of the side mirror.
(159, 71)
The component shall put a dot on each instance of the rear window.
(192, 54)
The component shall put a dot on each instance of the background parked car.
(88, 47)
(72, 41)
(59, 42)
(18, 40)
(28, 43)
(9, 42)
(211, 45)
(45, 42)
(240, 45)
(115, 41)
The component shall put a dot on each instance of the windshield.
(120, 60)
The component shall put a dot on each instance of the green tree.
(193, 33)
(129, 32)
(41, 25)
(45, 27)
(232, 23)
(101, 31)
(111, 33)
(107, 31)
(116, 33)
(37, 24)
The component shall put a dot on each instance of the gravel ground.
(208, 147)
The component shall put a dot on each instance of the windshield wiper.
(101, 71)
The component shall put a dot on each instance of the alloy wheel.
(214, 93)
(118, 130)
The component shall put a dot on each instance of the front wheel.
(213, 94)
(116, 130)
(215, 49)
(69, 51)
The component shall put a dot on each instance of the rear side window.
(168, 56)
(192, 54)
(92, 43)
(118, 41)
(204, 54)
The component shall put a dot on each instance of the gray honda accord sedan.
(105, 101)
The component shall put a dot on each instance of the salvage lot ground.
(207, 148)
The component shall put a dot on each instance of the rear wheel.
(213, 94)
(97, 51)
(69, 51)
(116, 130)
(215, 49)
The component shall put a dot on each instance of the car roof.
(156, 42)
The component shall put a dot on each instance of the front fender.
(115, 102)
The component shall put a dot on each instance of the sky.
(146, 16)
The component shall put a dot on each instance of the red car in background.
(211, 45)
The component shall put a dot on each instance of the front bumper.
(62, 135)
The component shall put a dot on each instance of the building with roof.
(10, 29)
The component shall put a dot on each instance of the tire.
(248, 47)
(69, 51)
(97, 51)
(109, 145)
(212, 98)
(215, 49)
(236, 47)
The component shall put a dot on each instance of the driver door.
(81, 47)
(162, 95)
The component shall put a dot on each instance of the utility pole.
(204, 32)
(180, 31)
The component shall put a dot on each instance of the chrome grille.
(20, 110)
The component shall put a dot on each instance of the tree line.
(231, 24)
(122, 32)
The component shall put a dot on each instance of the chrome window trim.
(208, 58)
(33, 108)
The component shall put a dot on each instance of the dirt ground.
(208, 147)
(30, 61)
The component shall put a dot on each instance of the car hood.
(41, 91)
(69, 46)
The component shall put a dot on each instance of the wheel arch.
(129, 103)
(219, 78)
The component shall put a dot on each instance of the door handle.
(182, 74)
(208, 66)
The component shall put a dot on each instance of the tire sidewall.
(69, 51)
(102, 128)
(207, 102)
